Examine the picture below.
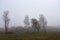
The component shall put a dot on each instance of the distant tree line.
(35, 24)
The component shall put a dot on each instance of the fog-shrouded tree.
(26, 21)
(35, 24)
(6, 20)
(43, 22)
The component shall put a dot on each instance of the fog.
(18, 9)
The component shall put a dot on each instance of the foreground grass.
(29, 36)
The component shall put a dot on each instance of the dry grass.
(30, 37)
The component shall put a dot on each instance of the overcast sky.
(19, 8)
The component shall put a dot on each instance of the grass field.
(30, 36)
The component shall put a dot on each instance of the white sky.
(19, 8)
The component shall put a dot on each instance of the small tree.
(6, 20)
(43, 22)
(35, 24)
(26, 21)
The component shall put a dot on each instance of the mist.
(18, 9)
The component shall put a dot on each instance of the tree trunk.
(6, 27)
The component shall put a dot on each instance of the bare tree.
(43, 22)
(26, 21)
(6, 20)
(35, 24)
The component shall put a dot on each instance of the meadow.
(26, 36)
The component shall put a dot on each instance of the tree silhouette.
(35, 24)
(26, 21)
(6, 20)
(43, 22)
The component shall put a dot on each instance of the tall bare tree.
(26, 21)
(43, 22)
(35, 24)
(6, 20)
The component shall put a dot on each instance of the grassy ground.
(30, 36)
